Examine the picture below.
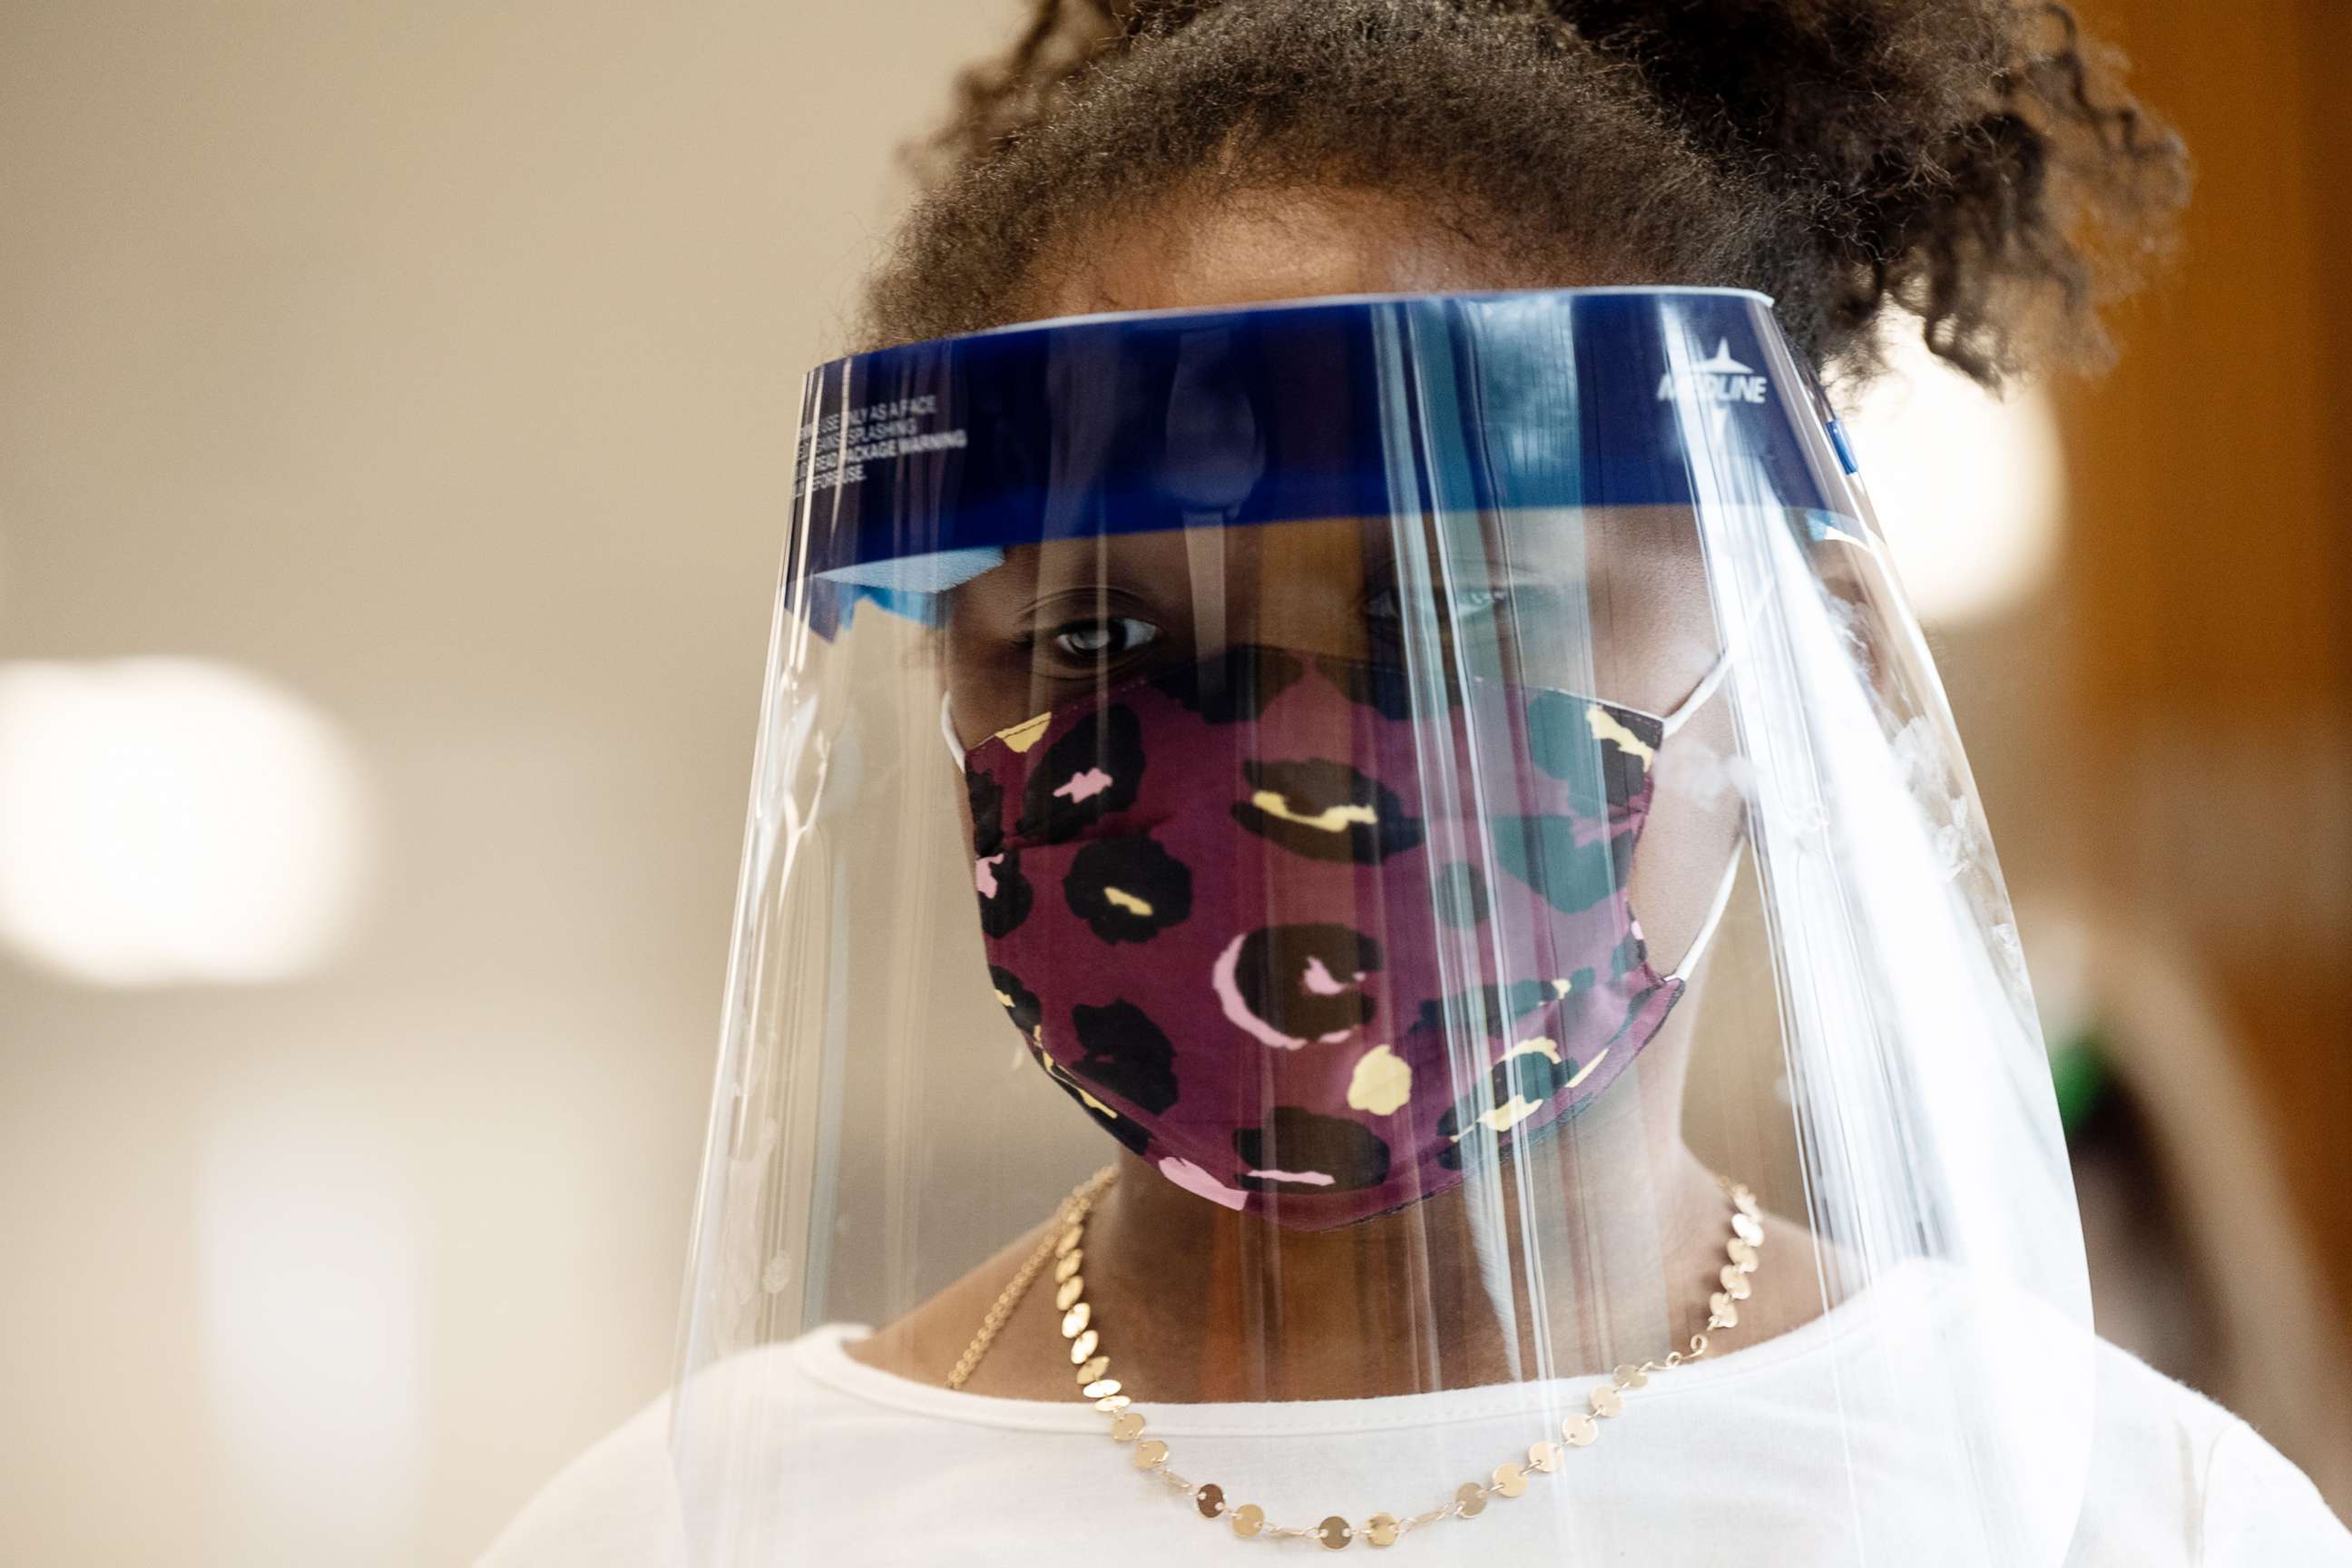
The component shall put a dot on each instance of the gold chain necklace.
(1065, 1248)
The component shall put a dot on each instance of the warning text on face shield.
(834, 450)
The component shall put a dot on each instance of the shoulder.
(738, 1448)
(616, 1506)
(621, 1503)
(2174, 1479)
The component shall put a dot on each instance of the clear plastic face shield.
(1362, 927)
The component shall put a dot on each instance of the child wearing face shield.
(1450, 995)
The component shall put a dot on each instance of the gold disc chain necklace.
(1064, 1248)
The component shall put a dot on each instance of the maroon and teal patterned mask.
(1248, 913)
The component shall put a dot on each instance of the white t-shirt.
(1811, 1450)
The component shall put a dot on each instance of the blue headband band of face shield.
(920, 466)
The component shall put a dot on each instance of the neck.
(1592, 1246)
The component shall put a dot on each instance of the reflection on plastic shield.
(1387, 946)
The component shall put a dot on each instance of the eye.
(1470, 603)
(1108, 638)
(1464, 605)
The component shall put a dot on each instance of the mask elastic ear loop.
(1708, 685)
(1697, 949)
(947, 732)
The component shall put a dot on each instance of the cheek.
(988, 684)
(981, 704)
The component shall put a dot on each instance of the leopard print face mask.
(1228, 919)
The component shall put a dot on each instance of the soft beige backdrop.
(438, 362)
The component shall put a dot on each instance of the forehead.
(1558, 543)
(1249, 246)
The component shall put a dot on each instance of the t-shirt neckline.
(821, 1355)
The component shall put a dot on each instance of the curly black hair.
(1972, 161)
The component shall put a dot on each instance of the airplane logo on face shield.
(1719, 378)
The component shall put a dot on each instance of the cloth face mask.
(1227, 918)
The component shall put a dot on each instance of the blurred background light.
(1969, 488)
(171, 820)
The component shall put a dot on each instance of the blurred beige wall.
(435, 366)
(435, 362)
